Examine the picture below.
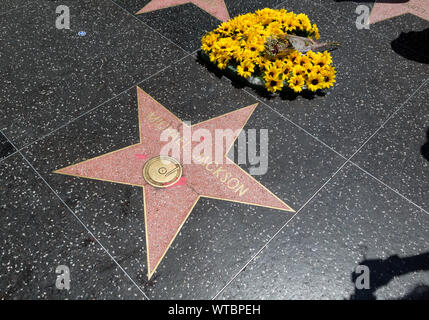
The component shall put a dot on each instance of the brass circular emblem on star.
(162, 171)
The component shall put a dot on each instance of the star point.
(386, 10)
(216, 8)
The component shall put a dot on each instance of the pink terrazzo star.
(216, 8)
(385, 10)
(166, 209)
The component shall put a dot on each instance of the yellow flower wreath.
(241, 44)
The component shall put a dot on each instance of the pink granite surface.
(216, 8)
(386, 10)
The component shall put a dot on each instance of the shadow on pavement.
(413, 45)
(382, 271)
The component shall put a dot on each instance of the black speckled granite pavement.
(10, 5)
(353, 163)
(38, 234)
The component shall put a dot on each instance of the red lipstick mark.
(181, 182)
(141, 156)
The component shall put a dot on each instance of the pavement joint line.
(389, 187)
(79, 220)
(94, 108)
(148, 26)
(14, 9)
(280, 230)
(390, 117)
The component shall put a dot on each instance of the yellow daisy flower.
(316, 32)
(209, 41)
(296, 83)
(311, 54)
(225, 45)
(255, 47)
(257, 40)
(327, 56)
(258, 60)
(278, 64)
(225, 28)
(329, 78)
(288, 21)
(303, 60)
(271, 70)
(303, 22)
(320, 60)
(273, 84)
(246, 68)
(315, 81)
(310, 68)
(299, 71)
(286, 66)
(213, 57)
(249, 55)
(275, 28)
(294, 57)
(222, 63)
